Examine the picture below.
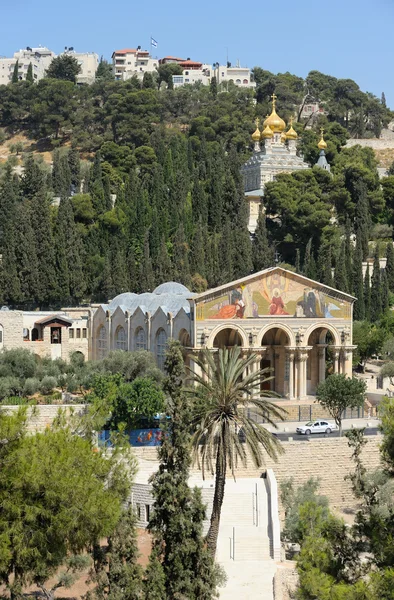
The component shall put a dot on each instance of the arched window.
(140, 339)
(101, 342)
(245, 82)
(161, 341)
(237, 81)
(34, 334)
(120, 339)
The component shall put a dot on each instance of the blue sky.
(348, 39)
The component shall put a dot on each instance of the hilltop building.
(275, 151)
(129, 62)
(194, 72)
(40, 58)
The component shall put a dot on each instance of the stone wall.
(329, 459)
(12, 323)
(285, 582)
(43, 415)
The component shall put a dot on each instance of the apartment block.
(129, 62)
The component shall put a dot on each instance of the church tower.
(274, 152)
(322, 161)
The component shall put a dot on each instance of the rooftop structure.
(275, 151)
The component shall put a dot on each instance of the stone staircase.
(244, 542)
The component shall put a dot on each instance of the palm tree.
(222, 394)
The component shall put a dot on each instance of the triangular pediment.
(274, 292)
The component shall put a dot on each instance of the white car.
(316, 427)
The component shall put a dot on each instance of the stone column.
(302, 358)
(291, 393)
(348, 360)
(321, 349)
(335, 353)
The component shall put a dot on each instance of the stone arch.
(280, 326)
(222, 327)
(120, 338)
(322, 325)
(34, 334)
(184, 338)
(160, 347)
(140, 339)
(101, 342)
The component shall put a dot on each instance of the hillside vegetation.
(149, 187)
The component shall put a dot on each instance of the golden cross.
(257, 121)
(322, 131)
(291, 121)
(273, 100)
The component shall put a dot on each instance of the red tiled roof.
(172, 58)
(125, 51)
(191, 62)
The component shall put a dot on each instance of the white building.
(194, 72)
(40, 59)
(88, 61)
(129, 62)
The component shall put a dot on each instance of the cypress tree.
(324, 265)
(376, 289)
(227, 253)
(197, 254)
(10, 279)
(147, 278)
(309, 266)
(263, 253)
(358, 282)
(15, 73)
(117, 574)
(199, 200)
(74, 165)
(180, 258)
(385, 292)
(348, 255)
(298, 261)
(26, 256)
(29, 74)
(340, 277)
(367, 293)
(41, 223)
(363, 220)
(390, 266)
(164, 266)
(33, 180)
(177, 519)
(70, 255)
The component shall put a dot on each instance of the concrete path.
(244, 542)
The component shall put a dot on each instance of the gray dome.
(172, 287)
(125, 299)
(171, 297)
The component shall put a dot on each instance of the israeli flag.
(153, 42)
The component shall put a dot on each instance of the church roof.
(170, 297)
(309, 282)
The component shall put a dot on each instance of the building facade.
(195, 72)
(274, 152)
(40, 59)
(131, 62)
(292, 324)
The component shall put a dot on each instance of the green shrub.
(9, 386)
(47, 384)
(18, 401)
(31, 386)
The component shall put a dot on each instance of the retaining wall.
(43, 415)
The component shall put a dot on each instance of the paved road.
(284, 437)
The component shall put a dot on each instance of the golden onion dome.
(322, 144)
(256, 134)
(267, 133)
(291, 134)
(283, 137)
(274, 121)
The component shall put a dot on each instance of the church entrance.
(275, 341)
(227, 338)
(320, 358)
